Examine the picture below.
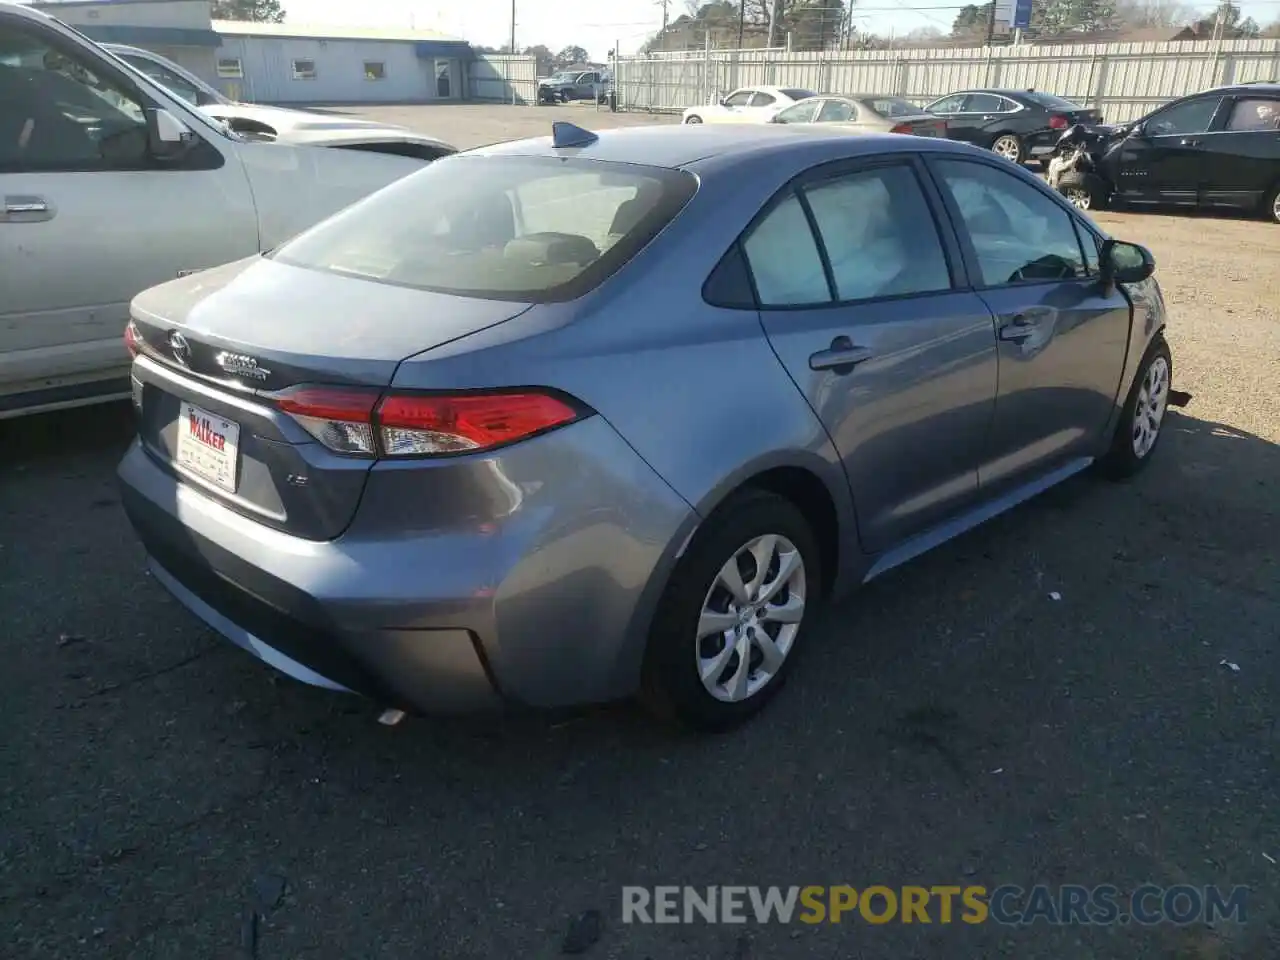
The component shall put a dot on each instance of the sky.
(598, 24)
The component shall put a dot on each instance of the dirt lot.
(953, 724)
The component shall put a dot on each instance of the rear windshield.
(795, 93)
(1051, 102)
(532, 229)
(893, 107)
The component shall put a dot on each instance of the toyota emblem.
(181, 349)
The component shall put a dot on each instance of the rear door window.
(739, 99)
(784, 258)
(879, 235)
(984, 103)
(762, 99)
(1262, 113)
(532, 229)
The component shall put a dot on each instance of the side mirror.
(1138, 130)
(169, 138)
(1126, 262)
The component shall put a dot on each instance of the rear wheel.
(1084, 191)
(1142, 418)
(733, 615)
(1008, 146)
(693, 118)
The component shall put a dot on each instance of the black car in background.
(1019, 125)
(1215, 149)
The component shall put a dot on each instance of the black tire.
(1089, 188)
(672, 688)
(693, 118)
(1122, 460)
(1019, 150)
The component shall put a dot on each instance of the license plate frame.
(208, 446)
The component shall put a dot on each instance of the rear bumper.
(543, 602)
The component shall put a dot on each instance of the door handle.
(842, 356)
(990, 116)
(25, 210)
(1020, 327)
(1188, 142)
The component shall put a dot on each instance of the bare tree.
(1155, 13)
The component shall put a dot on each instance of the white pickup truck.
(109, 184)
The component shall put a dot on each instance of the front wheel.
(693, 118)
(1273, 203)
(1142, 418)
(1084, 191)
(733, 614)
(1008, 146)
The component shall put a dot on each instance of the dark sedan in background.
(1019, 125)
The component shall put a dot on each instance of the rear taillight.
(340, 418)
(132, 338)
(900, 128)
(353, 421)
(1057, 122)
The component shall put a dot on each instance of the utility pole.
(742, 20)
(513, 28)
(991, 24)
(662, 37)
(773, 21)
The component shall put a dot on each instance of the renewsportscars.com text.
(1010, 905)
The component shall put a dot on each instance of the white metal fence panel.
(1123, 80)
(504, 79)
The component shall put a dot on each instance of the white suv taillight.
(132, 338)
(362, 423)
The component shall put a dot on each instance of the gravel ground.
(952, 724)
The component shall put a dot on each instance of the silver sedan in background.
(865, 113)
(569, 419)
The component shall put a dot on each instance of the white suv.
(109, 184)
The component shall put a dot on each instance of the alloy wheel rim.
(1079, 198)
(1007, 147)
(1148, 412)
(750, 618)
(694, 120)
(1275, 207)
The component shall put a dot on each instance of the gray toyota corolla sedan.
(574, 418)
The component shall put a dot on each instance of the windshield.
(563, 77)
(796, 93)
(195, 94)
(531, 229)
(894, 107)
(1051, 102)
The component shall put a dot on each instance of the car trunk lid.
(1065, 119)
(222, 351)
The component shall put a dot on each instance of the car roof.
(1258, 86)
(678, 145)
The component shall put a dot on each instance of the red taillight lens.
(340, 418)
(1057, 122)
(352, 421)
(132, 338)
(416, 426)
(900, 128)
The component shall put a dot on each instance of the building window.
(375, 70)
(304, 69)
(230, 69)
